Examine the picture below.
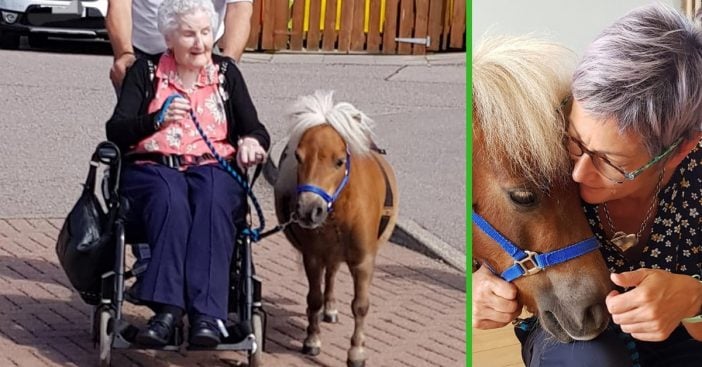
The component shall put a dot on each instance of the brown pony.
(522, 185)
(341, 196)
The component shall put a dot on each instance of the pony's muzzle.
(311, 210)
(580, 321)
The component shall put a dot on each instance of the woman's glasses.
(607, 168)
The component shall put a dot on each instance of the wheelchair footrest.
(126, 335)
(228, 344)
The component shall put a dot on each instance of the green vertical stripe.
(469, 180)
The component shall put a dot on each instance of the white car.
(40, 19)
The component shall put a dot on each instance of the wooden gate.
(359, 26)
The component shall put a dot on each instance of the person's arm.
(250, 136)
(495, 302)
(119, 28)
(128, 125)
(245, 118)
(695, 328)
(237, 26)
(655, 303)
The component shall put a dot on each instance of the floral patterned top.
(181, 137)
(675, 243)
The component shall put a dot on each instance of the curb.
(411, 235)
(407, 232)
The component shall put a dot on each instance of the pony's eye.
(339, 162)
(523, 197)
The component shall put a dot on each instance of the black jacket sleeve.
(241, 112)
(130, 123)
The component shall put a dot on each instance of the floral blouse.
(181, 137)
(675, 243)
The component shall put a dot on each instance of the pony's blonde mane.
(519, 84)
(353, 126)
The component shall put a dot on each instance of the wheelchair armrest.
(108, 153)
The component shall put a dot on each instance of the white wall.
(574, 23)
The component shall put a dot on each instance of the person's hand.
(119, 68)
(250, 153)
(657, 303)
(177, 110)
(494, 300)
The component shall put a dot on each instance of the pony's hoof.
(361, 363)
(331, 318)
(310, 351)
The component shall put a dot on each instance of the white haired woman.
(634, 136)
(180, 199)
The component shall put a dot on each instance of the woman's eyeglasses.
(607, 168)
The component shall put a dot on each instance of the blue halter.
(528, 262)
(329, 199)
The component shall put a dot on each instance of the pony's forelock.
(518, 86)
(354, 127)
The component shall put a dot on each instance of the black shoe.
(204, 332)
(159, 330)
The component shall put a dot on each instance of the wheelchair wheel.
(105, 335)
(257, 324)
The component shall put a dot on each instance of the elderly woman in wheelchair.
(172, 119)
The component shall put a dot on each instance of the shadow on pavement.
(68, 46)
(451, 280)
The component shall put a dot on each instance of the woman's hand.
(250, 153)
(494, 300)
(657, 303)
(176, 111)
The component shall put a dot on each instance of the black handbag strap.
(89, 184)
(112, 157)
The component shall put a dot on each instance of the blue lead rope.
(254, 233)
(164, 108)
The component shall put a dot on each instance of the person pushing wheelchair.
(180, 199)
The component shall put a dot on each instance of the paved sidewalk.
(417, 314)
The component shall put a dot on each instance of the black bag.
(86, 245)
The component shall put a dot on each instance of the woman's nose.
(582, 168)
(198, 40)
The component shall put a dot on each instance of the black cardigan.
(130, 123)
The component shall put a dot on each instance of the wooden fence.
(691, 7)
(359, 26)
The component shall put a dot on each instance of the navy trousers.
(611, 349)
(187, 218)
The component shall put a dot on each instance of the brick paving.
(417, 314)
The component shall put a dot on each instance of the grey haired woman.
(183, 202)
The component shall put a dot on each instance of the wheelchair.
(110, 330)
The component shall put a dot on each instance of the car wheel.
(38, 40)
(9, 40)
